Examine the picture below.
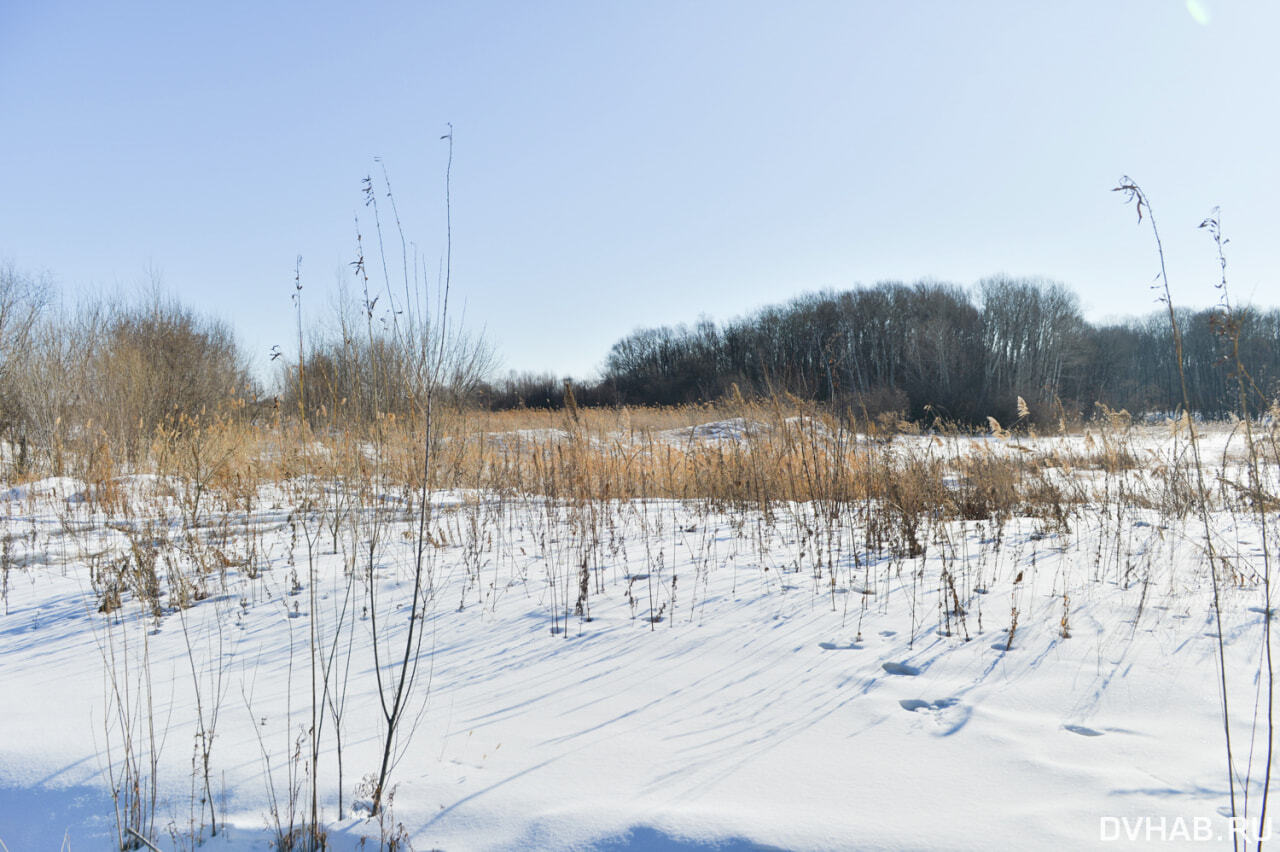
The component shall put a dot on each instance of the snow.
(724, 691)
(731, 430)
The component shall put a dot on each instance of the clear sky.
(628, 164)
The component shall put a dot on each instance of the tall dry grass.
(735, 455)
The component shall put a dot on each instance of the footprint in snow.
(913, 704)
(947, 714)
(1082, 730)
(900, 669)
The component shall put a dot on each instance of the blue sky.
(628, 164)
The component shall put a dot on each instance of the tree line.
(935, 350)
(96, 381)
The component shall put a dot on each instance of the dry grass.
(733, 456)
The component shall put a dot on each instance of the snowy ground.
(742, 681)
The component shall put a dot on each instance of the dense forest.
(932, 350)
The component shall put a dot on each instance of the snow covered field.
(640, 674)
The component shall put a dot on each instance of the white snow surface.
(722, 691)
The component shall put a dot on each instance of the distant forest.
(931, 350)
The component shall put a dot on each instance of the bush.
(158, 362)
(22, 300)
(99, 380)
